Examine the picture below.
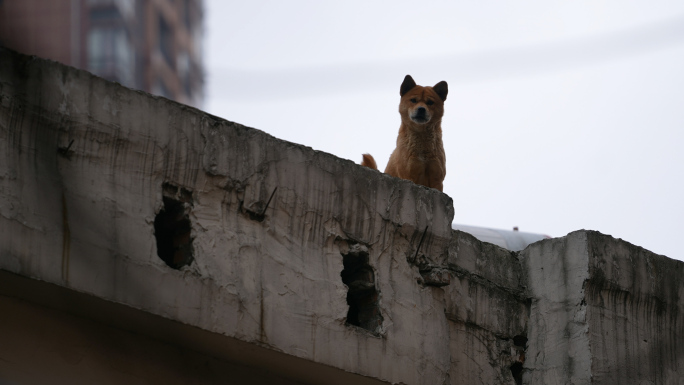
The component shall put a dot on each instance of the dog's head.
(420, 105)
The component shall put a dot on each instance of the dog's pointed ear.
(441, 89)
(407, 85)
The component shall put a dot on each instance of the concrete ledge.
(603, 311)
(181, 353)
(91, 163)
(289, 263)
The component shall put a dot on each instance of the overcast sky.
(560, 115)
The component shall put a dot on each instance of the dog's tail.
(369, 161)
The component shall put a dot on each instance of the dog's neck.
(423, 138)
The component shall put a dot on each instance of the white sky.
(560, 115)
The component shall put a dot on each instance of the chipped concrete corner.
(289, 264)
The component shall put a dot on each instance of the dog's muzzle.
(420, 115)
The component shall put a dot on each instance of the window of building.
(159, 88)
(110, 54)
(110, 51)
(166, 41)
(186, 14)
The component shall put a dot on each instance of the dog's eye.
(413, 100)
(430, 102)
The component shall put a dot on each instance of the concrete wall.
(289, 262)
(603, 311)
(42, 345)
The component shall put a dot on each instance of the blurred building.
(152, 45)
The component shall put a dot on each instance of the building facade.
(152, 45)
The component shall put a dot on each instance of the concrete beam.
(290, 262)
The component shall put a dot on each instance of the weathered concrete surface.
(41, 345)
(559, 350)
(635, 314)
(82, 216)
(327, 272)
(56, 335)
(603, 312)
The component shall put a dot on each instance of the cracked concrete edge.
(128, 144)
(602, 311)
(250, 280)
(635, 313)
(556, 271)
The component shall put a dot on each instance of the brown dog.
(419, 156)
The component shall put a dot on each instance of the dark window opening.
(111, 54)
(516, 370)
(161, 89)
(186, 14)
(166, 42)
(105, 14)
(520, 343)
(362, 295)
(172, 229)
